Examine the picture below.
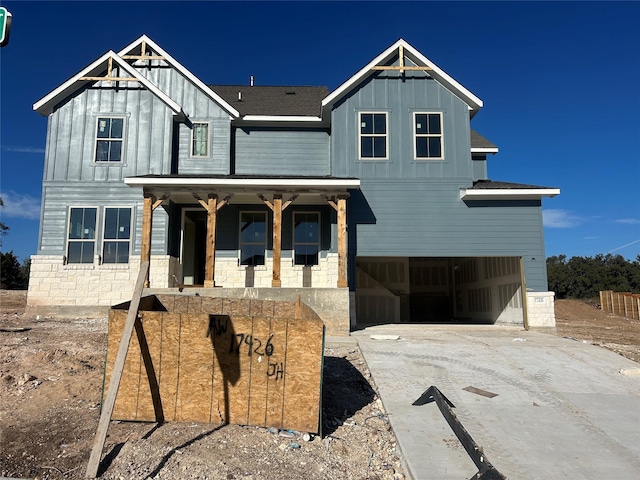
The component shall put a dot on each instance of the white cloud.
(20, 206)
(554, 218)
(624, 246)
(24, 149)
(629, 221)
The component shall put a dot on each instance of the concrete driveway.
(562, 408)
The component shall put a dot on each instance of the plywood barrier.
(250, 362)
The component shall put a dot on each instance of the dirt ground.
(51, 375)
(50, 387)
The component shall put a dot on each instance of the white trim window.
(109, 139)
(306, 238)
(200, 139)
(427, 129)
(116, 235)
(253, 238)
(81, 236)
(372, 132)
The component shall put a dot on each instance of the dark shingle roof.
(495, 185)
(478, 141)
(273, 100)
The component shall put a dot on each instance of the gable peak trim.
(182, 69)
(47, 104)
(402, 47)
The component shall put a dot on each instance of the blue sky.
(560, 84)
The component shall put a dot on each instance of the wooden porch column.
(342, 241)
(277, 207)
(212, 205)
(210, 260)
(277, 239)
(147, 223)
(341, 207)
(149, 204)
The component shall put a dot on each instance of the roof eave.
(508, 194)
(484, 149)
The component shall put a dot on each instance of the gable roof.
(273, 100)
(135, 47)
(435, 72)
(47, 104)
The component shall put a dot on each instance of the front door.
(193, 253)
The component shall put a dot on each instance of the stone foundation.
(56, 289)
(540, 310)
(229, 275)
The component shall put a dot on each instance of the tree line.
(585, 277)
(13, 275)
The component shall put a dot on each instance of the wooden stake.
(116, 375)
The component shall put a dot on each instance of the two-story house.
(372, 201)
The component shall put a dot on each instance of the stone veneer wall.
(540, 310)
(324, 275)
(76, 289)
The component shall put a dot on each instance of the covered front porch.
(240, 231)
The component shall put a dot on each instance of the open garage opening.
(451, 290)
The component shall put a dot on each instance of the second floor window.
(428, 136)
(200, 140)
(373, 136)
(253, 237)
(109, 137)
(81, 242)
(117, 235)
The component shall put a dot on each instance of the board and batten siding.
(418, 218)
(400, 99)
(58, 197)
(72, 134)
(199, 108)
(271, 151)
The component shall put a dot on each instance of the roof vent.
(239, 96)
(251, 80)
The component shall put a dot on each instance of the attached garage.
(482, 290)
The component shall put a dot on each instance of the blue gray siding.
(479, 164)
(199, 108)
(58, 197)
(400, 99)
(72, 137)
(412, 208)
(271, 151)
(427, 219)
